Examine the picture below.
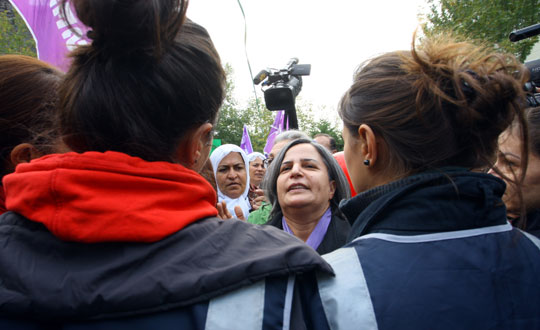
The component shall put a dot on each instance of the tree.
(325, 126)
(487, 20)
(14, 35)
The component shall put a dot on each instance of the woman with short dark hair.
(305, 185)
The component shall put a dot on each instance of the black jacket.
(430, 251)
(166, 284)
(336, 235)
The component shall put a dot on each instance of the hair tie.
(91, 34)
(466, 88)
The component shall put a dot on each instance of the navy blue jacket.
(432, 251)
(212, 274)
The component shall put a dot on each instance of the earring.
(366, 162)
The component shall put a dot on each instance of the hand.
(224, 214)
(256, 202)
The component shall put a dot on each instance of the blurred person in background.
(257, 170)
(326, 141)
(28, 112)
(522, 195)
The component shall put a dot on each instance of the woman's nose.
(296, 169)
(492, 172)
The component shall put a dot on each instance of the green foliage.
(325, 126)
(486, 20)
(14, 35)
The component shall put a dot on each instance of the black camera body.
(281, 86)
(532, 86)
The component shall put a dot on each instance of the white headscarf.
(242, 201)
(254, 155)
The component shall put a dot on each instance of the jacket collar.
(445, 200)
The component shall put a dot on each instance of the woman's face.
(509, 163)
(256, 171)
(303, 180)
(231, 175)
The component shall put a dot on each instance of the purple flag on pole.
(277, 127)
(246, 141)
(51, 33)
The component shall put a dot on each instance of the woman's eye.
(285, 168)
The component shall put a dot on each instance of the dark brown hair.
(28, 105)
(533, 120)
(147, 79)
(444, 103)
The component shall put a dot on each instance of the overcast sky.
(333, 36)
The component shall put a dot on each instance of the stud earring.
(366, 162)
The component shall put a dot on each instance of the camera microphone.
(524, 33)
(292, 62)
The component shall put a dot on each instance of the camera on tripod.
(281, 86)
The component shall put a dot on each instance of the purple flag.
(277, 127)
(246, 141)
(51, 33)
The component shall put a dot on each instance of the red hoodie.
(105, 197)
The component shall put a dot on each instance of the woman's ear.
(193, 152)
(368, 140)
(24, 153)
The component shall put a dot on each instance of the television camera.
(282, 86)
(533, 85)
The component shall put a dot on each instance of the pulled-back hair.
(443, 103)
(147, 79)
(28, 105)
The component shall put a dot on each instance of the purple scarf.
(317, 235)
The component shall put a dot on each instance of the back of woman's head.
(148, 77)
(444, 103)
(28, 105)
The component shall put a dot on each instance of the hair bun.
(126, 26)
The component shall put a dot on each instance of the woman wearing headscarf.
(231, 166)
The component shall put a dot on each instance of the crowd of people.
(115, 214)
